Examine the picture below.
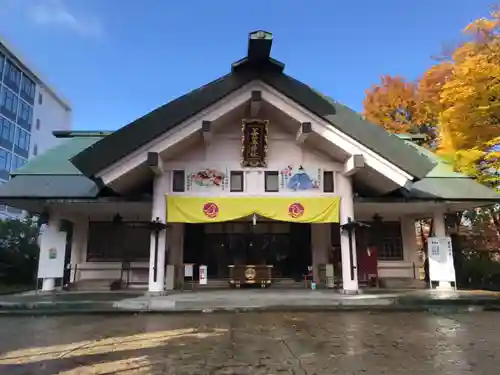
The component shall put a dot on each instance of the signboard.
(254, 143)
(203, 275)
(440, 253)
(188, 270)
(52, 249)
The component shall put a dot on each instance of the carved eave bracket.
(354, 164)
(254, 143)
(304, 131)
(206, 131)
(255, 103)
(155, 163)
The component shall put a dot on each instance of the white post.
(439, 228)
(350, 285)
(48, 284)
(51, 258)
(157, 255)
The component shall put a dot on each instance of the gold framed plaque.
(254, 145)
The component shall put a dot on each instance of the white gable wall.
(224, 153)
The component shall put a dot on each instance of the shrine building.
(256, 176)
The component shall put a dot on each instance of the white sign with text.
(52, 249)
(203, 275)
(440, 253)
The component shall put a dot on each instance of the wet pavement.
(252, 343)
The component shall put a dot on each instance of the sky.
(116, 60)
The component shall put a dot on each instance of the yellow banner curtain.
(182, 209)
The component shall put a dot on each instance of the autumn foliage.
(456, 103)
(402, 106)
(392, 104)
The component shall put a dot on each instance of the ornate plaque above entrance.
(254, 143)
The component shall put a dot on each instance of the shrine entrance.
(283, 246)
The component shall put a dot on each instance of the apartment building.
(30, 110)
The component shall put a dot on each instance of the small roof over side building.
(51, 175)
(443, 183)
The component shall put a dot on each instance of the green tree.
(18, 250)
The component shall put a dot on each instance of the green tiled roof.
(48, 186)
(442, 168)
(52, 175)
(453, 189)
(443, 183)
(56, 161)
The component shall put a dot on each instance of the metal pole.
(351, 257)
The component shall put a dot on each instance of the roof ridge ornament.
(259, 53)
(259, 46)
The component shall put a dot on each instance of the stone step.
(402, 283)
(92, 285)
(224, 283)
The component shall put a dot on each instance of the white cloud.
(56, 13)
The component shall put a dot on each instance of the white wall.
(224, 153)
(53, 116)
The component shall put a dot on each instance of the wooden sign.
(254, 143)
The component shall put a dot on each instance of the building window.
(178, 182)
(328, 184)
(391, 241)
(35, 150)
(8, 130)
(236, 182)
(5, 161)
(28, 89)
(109, 242)
(22, 144)
(40, 98)
(17, 162)
(12, 76)
(3, 207)
(9, 103)
(271, 181)
(37, 124)
(25, 117)
(2, 61)
(14, 210)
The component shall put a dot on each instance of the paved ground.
(252, 343)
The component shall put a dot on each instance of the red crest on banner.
(211, 210)
(296, 210)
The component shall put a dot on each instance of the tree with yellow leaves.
(469, 124)
(458, 99)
